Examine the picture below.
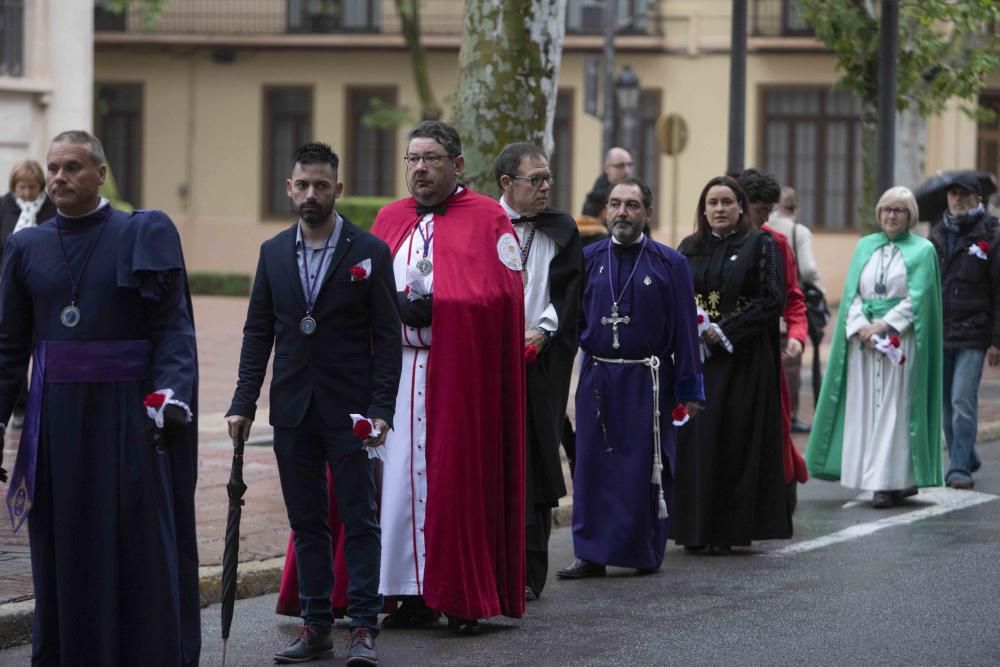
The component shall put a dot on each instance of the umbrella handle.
(238, 444)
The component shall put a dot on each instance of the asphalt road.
(917, 585)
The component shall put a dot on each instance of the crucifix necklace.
(883, 269)
(70, 315)
(615, 318)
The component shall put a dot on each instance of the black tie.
(436, 209)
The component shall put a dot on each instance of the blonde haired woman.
(878, 421)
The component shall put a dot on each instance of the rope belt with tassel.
(653, 363)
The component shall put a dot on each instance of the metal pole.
(737, 87)
(608, 113)
(887, 46)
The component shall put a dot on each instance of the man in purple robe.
(639, 336)
(107, 462)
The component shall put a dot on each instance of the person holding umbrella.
(966, 241)
(324, 298)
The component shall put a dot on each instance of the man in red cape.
(452, 509)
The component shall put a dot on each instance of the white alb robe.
(404, 476)
(876, 452)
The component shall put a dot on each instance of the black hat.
(966, 180)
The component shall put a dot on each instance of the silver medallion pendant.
(307, 326)
(880, 288)
(425, 267)
(70, 316)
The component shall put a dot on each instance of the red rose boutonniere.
(530, 354)
(362, 429)
(357, 273)
(680, 415)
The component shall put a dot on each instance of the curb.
(255, 578)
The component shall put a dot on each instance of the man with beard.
(323, 298)
(639, 337)
(553, 275)
(452, 508)
(966, 241)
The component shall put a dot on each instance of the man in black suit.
(325, 298)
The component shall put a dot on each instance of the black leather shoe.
(800, 426)
(310, 645)
(643, 571)
(411, 615)
(529, 594)
(581, 569)
(694, 548)
(362, 650)
(463, 626)
(882, 500)
(719, 550)
(904, 493)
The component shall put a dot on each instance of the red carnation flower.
(679, 413)
(894, 341)
(358, 273)
(701, 318)
(154, 401)
(984, 246)
(530, 354)
(362, 429)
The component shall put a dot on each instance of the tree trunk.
(409, 19)
(507, 80)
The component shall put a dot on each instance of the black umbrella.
(932, 194)
(230, 557)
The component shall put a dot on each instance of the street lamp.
(627, 95)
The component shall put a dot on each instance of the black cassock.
(729, 487)
(112, 524)
(548, 385)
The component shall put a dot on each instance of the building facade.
(200, 110)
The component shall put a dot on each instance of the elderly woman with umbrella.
(878, 421)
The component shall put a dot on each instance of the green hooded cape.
(923, 280)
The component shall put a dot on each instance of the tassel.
(657, 473)
(662, 514)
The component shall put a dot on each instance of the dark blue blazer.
(351, 363)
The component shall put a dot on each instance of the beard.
(315, 215)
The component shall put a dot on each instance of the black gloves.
(174, 428)
(415, 314)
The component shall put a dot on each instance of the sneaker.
(362, 650)
(312, 643)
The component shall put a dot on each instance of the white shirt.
(538, 309)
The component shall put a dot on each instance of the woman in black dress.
(729, 486)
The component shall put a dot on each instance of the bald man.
(617, 167)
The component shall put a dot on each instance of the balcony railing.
(276, 17)
(777, 18)
(11, 37)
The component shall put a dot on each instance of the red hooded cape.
(474, 526)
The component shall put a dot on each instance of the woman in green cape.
(878, 421)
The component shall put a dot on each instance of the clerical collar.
(101, 204)
(637, 241)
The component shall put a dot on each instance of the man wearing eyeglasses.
(553, 281)
(617, 167)
(452, 510)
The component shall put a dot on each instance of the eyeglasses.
(629, 204)
(620, 165)
(431, 160)
(536, 181)
(892, 210)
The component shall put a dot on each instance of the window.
(772, 18)
(587, 16)
(106, 20)
(988, 136)
(646, 154)
(11, 37)
(561, 160)
(812, 142)
(371, 152)
(287, 125)
(118, 124)
(319, 16)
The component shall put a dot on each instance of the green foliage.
(946, 48)
(361, 210)
(110, 192)
(382, 116)
(219, 284)
(150, 9)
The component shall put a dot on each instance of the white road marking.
(943, 501)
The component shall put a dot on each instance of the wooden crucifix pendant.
(614, 321)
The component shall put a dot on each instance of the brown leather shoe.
(581, 569)
(310, 645)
